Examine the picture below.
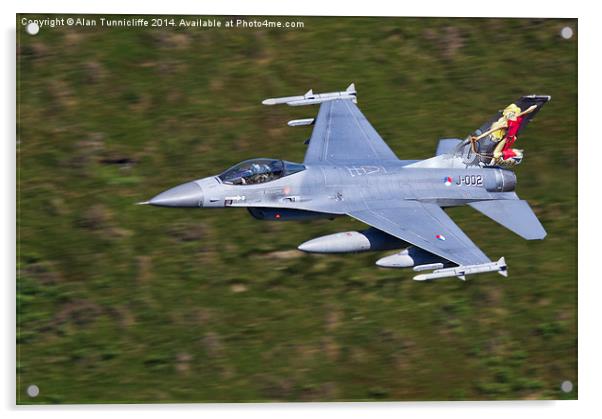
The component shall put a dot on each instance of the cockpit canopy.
(252, 172)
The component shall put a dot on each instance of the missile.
(311, 98)
(286, 99)
(461, 271)
(352, 242)
(412, 256)
(427, 267)
(301, 122)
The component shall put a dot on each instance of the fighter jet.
(349, 170)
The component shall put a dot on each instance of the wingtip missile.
(281, 100)
(311, 98)
(461, 271)
(503, 267)
(301, 122)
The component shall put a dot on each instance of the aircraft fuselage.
(339, 189)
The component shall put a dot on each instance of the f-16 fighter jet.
(349, 170)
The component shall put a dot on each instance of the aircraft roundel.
(447, 180)
(440, 237)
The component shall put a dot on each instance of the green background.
(123, 303)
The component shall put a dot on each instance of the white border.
(589, 191)
(458, 8)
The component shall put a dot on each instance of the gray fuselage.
(339, 189)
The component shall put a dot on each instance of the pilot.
(260, 173)
(252, 174)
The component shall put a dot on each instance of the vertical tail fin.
(525, 102)
(482, 150)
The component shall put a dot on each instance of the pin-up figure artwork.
(504, 132)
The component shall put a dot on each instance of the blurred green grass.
(120, 303)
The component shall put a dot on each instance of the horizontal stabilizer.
(515, 215)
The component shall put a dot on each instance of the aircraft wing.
(343, 134)
(426, 226)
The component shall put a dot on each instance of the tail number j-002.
(470, 180)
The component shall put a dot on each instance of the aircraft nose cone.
(187, 195)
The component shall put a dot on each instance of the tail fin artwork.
(491, 143)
